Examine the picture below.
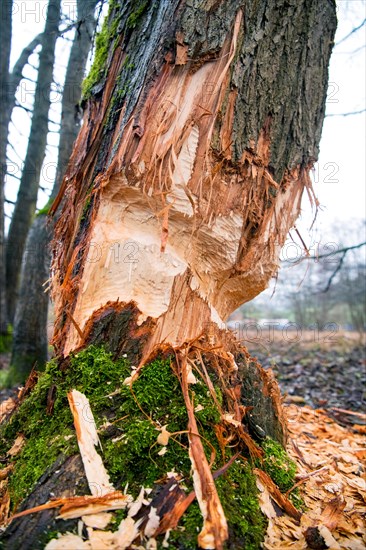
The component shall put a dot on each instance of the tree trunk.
(202, 123)
(9, 85)
(197, 144)
(30, 326)
(28, 189)
(5, 31)
(30, 343)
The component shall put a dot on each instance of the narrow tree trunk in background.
(30, 344)
(202, 124)
(5, 33)
(30, 325)
(28, 189)
(9, 85)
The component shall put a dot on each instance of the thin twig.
(335, 271)
(351, 33)
(346, 114)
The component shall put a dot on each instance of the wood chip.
(127, 532)
(68, 542)
(334, 497)
(97, 521)
(215, 530)
(17, 446)
(7, 407)
(87, 436)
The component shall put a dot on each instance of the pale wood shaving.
(87, 436)
(17, 446)
(68, 542)
(6, 407)
(97, 521)
(215, 529)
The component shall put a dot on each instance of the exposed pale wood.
(214, 531)
(87, 436)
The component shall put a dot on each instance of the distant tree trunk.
(30, 326)
(9, 85)
(28, 189)
(30, 344)
(5, 32)
(202, 124)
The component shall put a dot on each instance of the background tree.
(6, 29)
(30, 338)
(28, 189)
(185, 178)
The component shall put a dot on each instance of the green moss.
(44, 211)
(155, 400)
(6, 340)
(118, 516)
(129, 422)
(47, 436)
(106, 39)
(238, 494)
(189, 527)
(278, 465)
(135, 16)
(47, 537)
(98, 67)
(297, 499)
(133, 456)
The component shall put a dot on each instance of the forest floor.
(323, 372)
(318, 370)
(323, 381)
(324, 386)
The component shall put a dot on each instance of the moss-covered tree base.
(129, 418)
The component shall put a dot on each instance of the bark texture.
(5, 31)
(29, 533)
(30, 339)
(30, 326)
(182, 186)
(9, 85)
(28, 189)
(197, 143)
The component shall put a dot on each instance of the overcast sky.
(339, 175)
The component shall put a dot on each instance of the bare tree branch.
(16, 74)
(340, 251)
(335, 271)
(328, 255)
(347, 114)
(352, 32)
(353, 51)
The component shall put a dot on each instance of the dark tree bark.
(30, 326)
(28, 189)
(30, 344)
(9, 85)
(202, 123)
(5, 31)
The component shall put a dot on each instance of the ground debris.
(332, 482)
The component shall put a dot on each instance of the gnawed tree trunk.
(197, 144)
(201, 126)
